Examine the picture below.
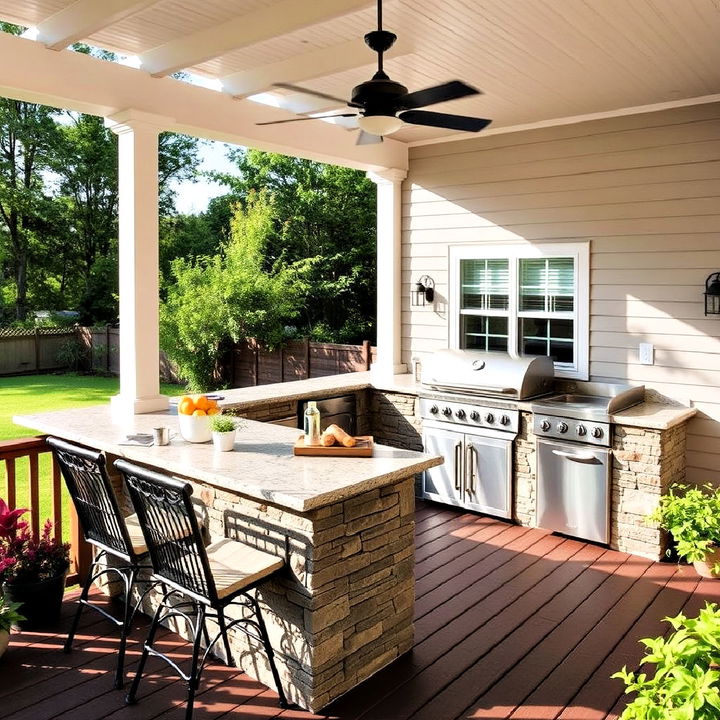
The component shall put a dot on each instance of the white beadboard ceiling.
(535, 60)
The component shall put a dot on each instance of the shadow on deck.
(510, 622)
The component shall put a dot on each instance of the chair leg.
(269, 652)
(229, 658)
(80, 604)
(125, 628)
(195, 669)
(131, 697)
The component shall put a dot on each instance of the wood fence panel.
(17, 355)
(295, 365)
(49, 347)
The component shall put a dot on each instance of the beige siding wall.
(644, 189)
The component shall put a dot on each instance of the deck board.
(510, 623)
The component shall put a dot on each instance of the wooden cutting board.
(363, 448)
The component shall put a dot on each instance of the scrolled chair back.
(171, 530)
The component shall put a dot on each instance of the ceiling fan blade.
(366, 138)
(443, 120)
(297, 88)
(452, 90)
(299, 119)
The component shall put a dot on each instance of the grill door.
(443, 483)
(488, 474)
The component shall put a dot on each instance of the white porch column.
(389, 287)
(138, 261)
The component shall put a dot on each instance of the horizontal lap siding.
(644, 189)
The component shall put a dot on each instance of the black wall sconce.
(424, 291)
(712, 294)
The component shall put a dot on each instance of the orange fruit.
(199, 412)
(186, 406)
(213, 411)
(212, 403)
(202, 403)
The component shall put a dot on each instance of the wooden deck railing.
(31, 448)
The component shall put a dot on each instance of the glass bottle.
(312, 424)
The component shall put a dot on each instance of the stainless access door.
(487, 462)
(573, 489)
(444, 482)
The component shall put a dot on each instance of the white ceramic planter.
(223, 441)
(195, 428)
(4, 641)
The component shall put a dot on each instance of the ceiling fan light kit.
(384, 106)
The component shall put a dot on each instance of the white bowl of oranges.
(194, 413)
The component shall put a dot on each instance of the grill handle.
(470, 468)
(585, 458)
(458, 464)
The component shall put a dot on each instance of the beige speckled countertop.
(263, 465)
(653, 415)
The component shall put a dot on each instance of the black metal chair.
(116, 538)
(198, 582)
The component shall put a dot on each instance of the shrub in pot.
(9, 616)
(32, 569)
(686, 682)
(692, 516)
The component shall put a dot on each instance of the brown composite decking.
(511, 622)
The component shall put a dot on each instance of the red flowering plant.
(23, 558)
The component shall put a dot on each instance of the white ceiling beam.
(314, 64)
(83, 18)
(74, 81)
(265, 23)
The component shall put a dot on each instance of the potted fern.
(692, 516)
(9, 616)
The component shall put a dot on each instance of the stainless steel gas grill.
(470, 417)
(574, 465)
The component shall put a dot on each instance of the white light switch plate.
(647, 353)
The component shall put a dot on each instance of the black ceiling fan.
(384, 105)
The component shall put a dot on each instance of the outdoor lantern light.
(712, 294)
(424, 291)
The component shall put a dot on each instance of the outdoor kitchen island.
(343, 609)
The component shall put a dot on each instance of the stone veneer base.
(343, 607)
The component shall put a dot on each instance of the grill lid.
(491, 374)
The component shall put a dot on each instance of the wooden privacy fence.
(31, 351)
(247, 363)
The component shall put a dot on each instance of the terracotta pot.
(704, 568)
(4, 641)
(41, 601)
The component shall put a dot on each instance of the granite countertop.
(652, 415)
(262, 467)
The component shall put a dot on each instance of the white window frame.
(514, 252)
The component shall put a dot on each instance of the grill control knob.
(597, 432)
(434, 410)
(504, 420)
(460, 414)
(447, 412)
(581, 430)
(562, 427)
(545, 425)
(475, 415)
(489, 418)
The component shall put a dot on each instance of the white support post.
(138, 260)
(389, 288)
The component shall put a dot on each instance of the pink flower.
(9, 523)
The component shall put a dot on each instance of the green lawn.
(41, 393)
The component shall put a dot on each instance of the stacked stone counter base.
(343, 609)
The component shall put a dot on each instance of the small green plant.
(692, 515)
(686, 683)
(9, 614)
(222, 424)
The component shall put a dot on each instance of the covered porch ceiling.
(537, 62)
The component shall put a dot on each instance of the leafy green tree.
(216, 300)
(324, 227)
